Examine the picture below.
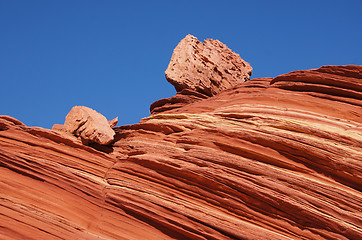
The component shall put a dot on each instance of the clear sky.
(111, 55)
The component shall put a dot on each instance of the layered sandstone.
(270, 158)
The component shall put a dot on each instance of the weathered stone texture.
(209, 67)
(89, 125)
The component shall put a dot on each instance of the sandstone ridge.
(269, 158)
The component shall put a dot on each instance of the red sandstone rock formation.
(271, 158)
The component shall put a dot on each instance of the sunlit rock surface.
(207, 67)
(271, 158)
(89, 125)
(199, 70)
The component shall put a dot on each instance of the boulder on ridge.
(209, 67)
(89, 125)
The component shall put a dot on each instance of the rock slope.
(271, 158)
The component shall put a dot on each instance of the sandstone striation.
(271, 158)
(89, 125)
(209, 67)
(182, 98)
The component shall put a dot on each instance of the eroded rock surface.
(113, 122)
(209, 67)
(89, 125)
(273, 158)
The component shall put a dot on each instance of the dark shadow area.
(102, 148)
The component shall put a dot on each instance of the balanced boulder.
(209, 67)
(89, 125)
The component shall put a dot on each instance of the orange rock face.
(271, 158)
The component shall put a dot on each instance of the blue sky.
(111, 55)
